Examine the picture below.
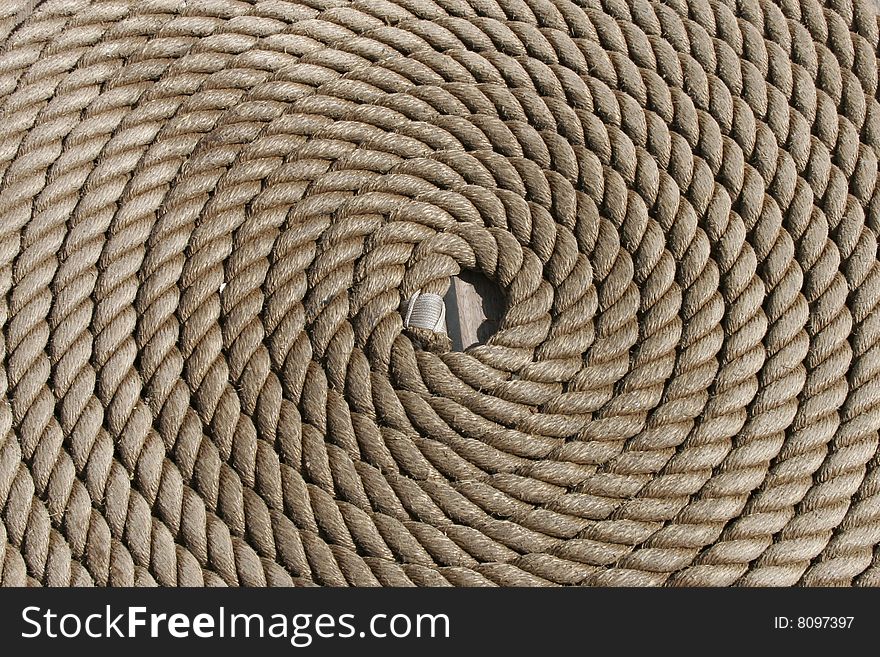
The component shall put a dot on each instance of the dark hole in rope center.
(474, 306)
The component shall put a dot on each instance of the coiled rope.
(213, 214)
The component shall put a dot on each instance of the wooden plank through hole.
(473, 309)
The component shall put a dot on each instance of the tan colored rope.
(213, 213)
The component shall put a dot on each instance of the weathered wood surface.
(473, 307)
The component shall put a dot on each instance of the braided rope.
(214, 212)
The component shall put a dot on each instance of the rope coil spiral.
(213, 213)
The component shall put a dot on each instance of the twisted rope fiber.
(212, 214)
